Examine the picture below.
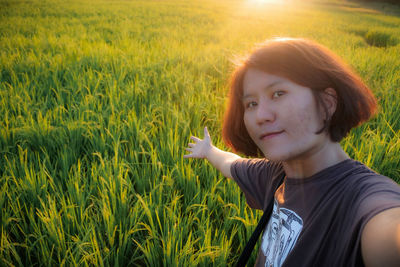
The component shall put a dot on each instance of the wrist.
(210, 151)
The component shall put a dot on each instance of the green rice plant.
(380, 39)
(98, 100)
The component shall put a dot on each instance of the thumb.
(206, 134)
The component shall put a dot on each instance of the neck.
(308, 165)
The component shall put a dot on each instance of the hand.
(200, 148)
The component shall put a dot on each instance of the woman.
(292, 101)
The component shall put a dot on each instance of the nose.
(265, 113)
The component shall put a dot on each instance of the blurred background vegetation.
(99, 99)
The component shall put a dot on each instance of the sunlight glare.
(260, 2)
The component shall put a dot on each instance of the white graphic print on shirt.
(280, 235)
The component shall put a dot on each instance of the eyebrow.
(266, 88)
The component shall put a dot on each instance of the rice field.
(98, 99)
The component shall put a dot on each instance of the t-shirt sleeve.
(379, 194)
(255, 178)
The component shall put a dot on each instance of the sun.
(262, 5)
(265, 1)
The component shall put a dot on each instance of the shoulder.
(255, 178)
(371, 193)
(255, 167)
(366, 181)
(380, 239)
(251, 161)
(378, 199)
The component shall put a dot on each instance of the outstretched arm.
(203, 148)
(380, 239)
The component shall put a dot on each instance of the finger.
(194, 138)
(206, 134)
(189, 149)
(191, 145)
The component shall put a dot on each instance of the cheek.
(247, 122)
(302, 119)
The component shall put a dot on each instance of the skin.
(282, 118)
(276, 105)
(380, 240)
(203, 148)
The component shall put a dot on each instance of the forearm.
(221, 160)
(203, 148)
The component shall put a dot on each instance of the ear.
(329, 97)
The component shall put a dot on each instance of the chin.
(279, 156)
(275, 157)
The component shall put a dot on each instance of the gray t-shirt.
(316, 221)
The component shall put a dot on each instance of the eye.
(251, 104)
(277, 94)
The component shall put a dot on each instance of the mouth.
(270, 135)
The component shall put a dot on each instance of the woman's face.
(281, 117)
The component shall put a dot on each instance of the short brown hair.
(310, 65)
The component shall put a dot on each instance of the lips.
(270, 134)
